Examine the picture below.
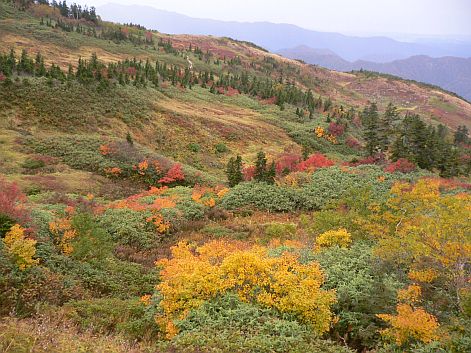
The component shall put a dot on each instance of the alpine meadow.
(183, 193)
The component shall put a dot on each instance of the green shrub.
(221, 148)
(281, 231)
(363, 290)
(31, 163)
(322, 221)
(194, 147)
(190, 209)
(226, 324)
(129, 227)
(92, 241)
(261, 196)
(217, 231)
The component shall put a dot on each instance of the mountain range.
(275, 37)
(450, 73)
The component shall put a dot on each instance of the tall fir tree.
(234, 171)
(370, 119)
(461, 135)
(260, 167)
(270, 174)
(385, 126)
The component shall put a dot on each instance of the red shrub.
(352, 142)
(317, 160)
(12, 203)
(336, 129)
(232, 92)
(174, 174)
(248, 172)
(401, 165)
(287, 162)
(132, 71)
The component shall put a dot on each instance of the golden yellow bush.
(410, 323)
(425, 276)
(63, 233)
(20, 248)
(339, 237)
(410, 295)
(194, 275)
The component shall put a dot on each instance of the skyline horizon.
(373, 31)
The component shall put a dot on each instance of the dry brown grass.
(55, 334)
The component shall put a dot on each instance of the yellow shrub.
(194, 275)
(410, 323)
(338, 237)
(411, 294)
(425, 276)
(63, 233)
(20, 248)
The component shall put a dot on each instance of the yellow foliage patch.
(410, 323)
(339, 237)
(63, 233)
(194, 275)
(410, 295)
(424, 276)
(20, 248)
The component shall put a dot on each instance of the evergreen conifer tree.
(260, 167)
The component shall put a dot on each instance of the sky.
(362, 17)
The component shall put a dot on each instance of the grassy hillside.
(197, 194)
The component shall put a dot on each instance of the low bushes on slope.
(227, 324)
(326, 186)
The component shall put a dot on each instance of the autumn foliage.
(336, 129)
(339, 237)
(401, 165)
(174, 174)
(20, 248)
(314, 162)
(196, 274)
(12, 206)
(410, 324)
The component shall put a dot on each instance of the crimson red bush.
(12, 206)
(336, 129)
(316, 160)
(401, 165)
(287, 162)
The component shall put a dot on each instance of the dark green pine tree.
(129, 139)
(260, 167)
(370, 118)
(271, 174)
(385, 126)
(449, 164)
(461, 135)
(238, 177)
(234, 171)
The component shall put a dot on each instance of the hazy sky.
(426, 17)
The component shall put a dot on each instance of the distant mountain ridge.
(278, 36)
(450, 73)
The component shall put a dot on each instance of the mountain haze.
(451, 73)
(278, 36)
